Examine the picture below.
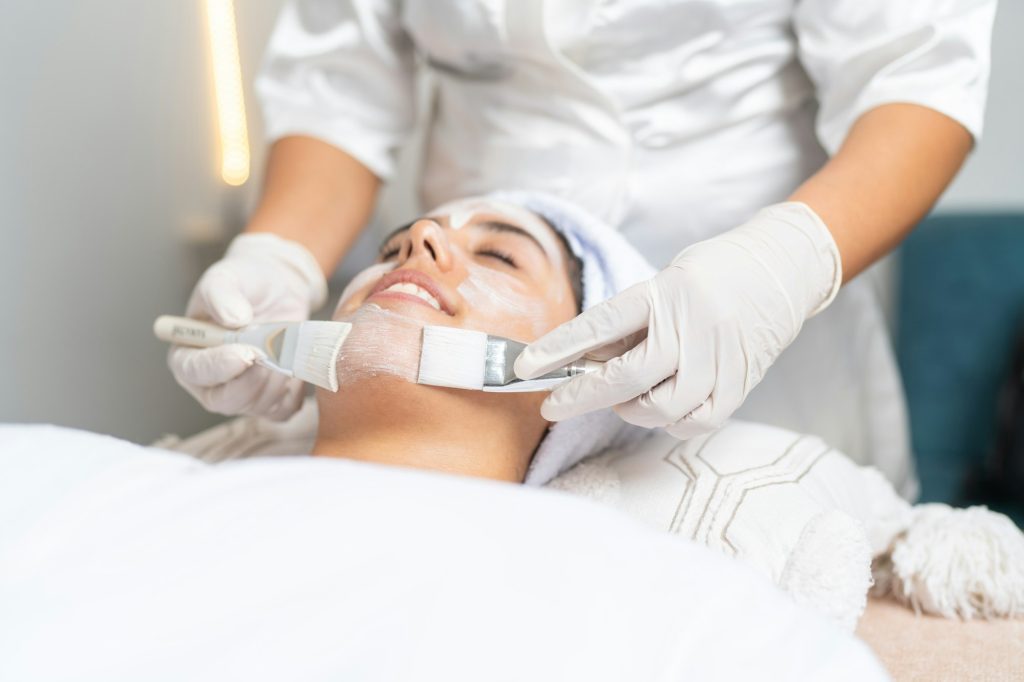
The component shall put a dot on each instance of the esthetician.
(762, 152)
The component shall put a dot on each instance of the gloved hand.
(262, 278)
(687, 346)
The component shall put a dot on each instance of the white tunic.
(675, 119)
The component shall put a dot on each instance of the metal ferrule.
(545, 382)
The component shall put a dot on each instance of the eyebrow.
(499, 226)
(492, 225)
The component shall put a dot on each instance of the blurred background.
(114, 200)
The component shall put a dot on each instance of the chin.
(369, 389)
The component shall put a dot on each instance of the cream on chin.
(381, 343)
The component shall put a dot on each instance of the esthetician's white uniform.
(675, 119)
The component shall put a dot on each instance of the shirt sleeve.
(864, 53)
(341, 71)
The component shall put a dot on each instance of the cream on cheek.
(498, 296)
(486, 290)
(363, 280)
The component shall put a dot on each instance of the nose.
(427, 239)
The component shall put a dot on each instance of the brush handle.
(549, 381)
(184, 331)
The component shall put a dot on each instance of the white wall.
(993, 177)
(107, 133)
(108, 152)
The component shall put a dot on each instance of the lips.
(414, 285)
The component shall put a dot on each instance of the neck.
(460, 432)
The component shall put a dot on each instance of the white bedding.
(119, 562)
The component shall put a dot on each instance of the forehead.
(467, 211)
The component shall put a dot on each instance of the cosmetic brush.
(305, 350)
(462, 358)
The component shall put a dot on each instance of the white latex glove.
(262, 278)
(687, 346)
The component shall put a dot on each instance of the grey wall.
(107, 139)
(108, 160)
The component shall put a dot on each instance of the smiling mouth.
(411, 289)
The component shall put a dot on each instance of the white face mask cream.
(367, 276)
(485, 288)
(381, 343)
(465, 211)
(489, 290)
(387, 343)
(460, 213)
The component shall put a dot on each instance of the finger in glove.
(620, 379)
(206, 367)
(219, 295)
(604, 324)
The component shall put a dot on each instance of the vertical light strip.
(227, 82)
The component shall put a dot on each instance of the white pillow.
(807, 517)
(788, 505)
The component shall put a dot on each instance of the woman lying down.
(517, 265)
(122, 562)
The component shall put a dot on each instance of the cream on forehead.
(464, 211)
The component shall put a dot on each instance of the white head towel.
(610, 265)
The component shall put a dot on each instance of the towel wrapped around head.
(610, 265)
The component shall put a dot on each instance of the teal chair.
(961, 311)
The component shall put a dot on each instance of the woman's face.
(473, 264)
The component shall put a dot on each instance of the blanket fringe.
(957, 563)
(830, 568)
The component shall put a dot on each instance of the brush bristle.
(317, 350)
(453, 357)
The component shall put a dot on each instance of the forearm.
(892, 168)
(317, 195)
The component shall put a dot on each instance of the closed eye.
(389, 252)
(499, 255)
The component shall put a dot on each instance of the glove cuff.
(824, 245)
(808, 258)
(292, 254)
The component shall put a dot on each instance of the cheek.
(355, 292)
(499, 303)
